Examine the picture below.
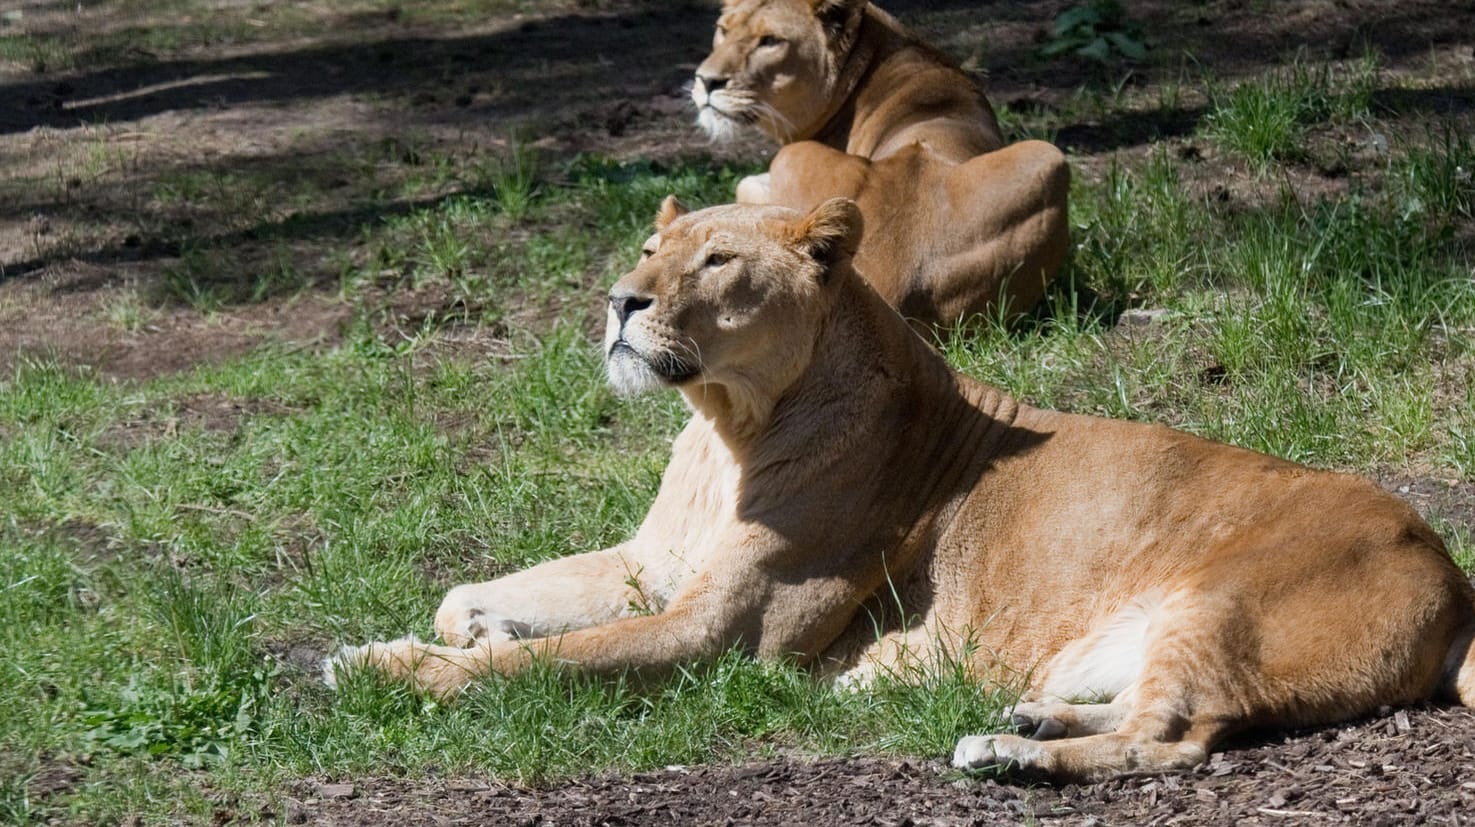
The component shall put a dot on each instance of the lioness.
(868, 111)
(842, 497)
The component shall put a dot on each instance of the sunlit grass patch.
(1266, 119)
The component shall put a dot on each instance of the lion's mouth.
(742, 115)
(667, 365)
(722, 115)
(738, 116)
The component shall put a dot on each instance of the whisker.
(782, 125)
(693, 350)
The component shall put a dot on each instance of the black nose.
(626, 305)
(711, 82)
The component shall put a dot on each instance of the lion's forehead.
(731, 219)
(750, 15)
(733, 235)
(686, 247)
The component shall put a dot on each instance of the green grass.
(152, 577)
(167, 577)
(1267, 118)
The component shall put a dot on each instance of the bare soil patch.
(1451, 500)
(1409, 768)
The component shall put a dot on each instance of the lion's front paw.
(754, 189)
(441, 671)
(387, 657)
(465, 627)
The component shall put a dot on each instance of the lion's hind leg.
(1150, 728)
(1161, 692)
(1092, 758)
(755, 189)
(1013, 203)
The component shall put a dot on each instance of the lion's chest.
(694, 508)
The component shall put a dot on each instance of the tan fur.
(842, 497)
(959, 224)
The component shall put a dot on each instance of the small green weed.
(1263, 120)
(207, 279)
(200, 710)
(38, 53)
(513, 180)
(1099, 31)
(1138, 234)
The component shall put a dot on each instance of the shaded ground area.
(1411, 767)
(299, 139)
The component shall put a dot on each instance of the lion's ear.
(835, 15)
(671, 209)
(830, 232)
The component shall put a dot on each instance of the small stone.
(1141, 316)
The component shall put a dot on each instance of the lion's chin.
(720, 127)
(630, 375)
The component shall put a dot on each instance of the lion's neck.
(739, 413)
(870, 381)
(874, 382)
(897, 91)
(874, 41)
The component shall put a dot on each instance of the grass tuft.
(1266, 119)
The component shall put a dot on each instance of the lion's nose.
(626, 305)
(711, 82)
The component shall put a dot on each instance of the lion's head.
(777, 65)
(727, 297)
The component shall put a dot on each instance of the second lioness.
(866, 110)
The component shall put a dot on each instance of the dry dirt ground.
(1412, 767)
(80, 148)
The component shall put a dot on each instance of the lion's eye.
(768, 40)
(718, 259)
